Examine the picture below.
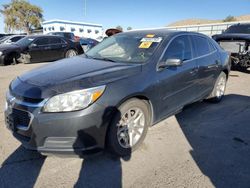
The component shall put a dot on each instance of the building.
(207, 29)
(81, 29)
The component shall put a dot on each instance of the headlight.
(1, 53)
(73, 101)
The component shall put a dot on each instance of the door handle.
(216, 64)
(47, 48)
(194, 70)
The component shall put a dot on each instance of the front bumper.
(79, 132)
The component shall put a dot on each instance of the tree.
(129, 28)
(119, 28)
(229, 19)
(21, 15)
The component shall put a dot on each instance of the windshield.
(239, 29)
(25, 41)
(129, 48)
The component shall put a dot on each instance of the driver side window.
(41, 41)
(179, 48)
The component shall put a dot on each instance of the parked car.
(109, 97)
(11, 39)
(87, 43)
(236, 40)
(4, 35)
(67, 35)
(38, 48)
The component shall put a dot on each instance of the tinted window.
(55, 40)
(42, 41)
(211, 46)
(69, 36)
(202, 46)
(14, 39)
(239, 29)
(179, 48)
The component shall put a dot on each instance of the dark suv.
(109, 97)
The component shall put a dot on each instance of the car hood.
(8, 47)
(71, 74)
(231, 36)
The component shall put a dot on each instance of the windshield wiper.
(103, 58)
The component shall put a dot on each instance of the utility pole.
(85, 8)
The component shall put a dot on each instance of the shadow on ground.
(101, 171)
(21, 169)
(220, 137)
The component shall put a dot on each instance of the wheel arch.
(135, 96)
(143, 97)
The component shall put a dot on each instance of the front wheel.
(129, 127)
(70, 53)
(219, 88)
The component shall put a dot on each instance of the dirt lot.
(206, 145)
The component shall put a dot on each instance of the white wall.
(207, 29)
(80, 30)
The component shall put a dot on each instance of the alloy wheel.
(130, 127)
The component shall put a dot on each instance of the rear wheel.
(129, 127)
(70, 53)
(219, 88)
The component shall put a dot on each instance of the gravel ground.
(206, 145)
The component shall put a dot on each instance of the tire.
(120, 131)
(70, 53)
(10, 59)
(219, 89)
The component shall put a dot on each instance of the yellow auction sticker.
(150, 35)
(145, 45)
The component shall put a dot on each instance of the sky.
(137, 13)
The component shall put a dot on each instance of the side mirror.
(171, 63)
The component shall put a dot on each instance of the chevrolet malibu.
(110, 96)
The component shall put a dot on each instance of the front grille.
(21, 118)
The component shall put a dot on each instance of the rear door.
(57, 48)
(178, 85)
(208, 61)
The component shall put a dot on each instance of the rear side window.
(69, 36)
(42, 41)
(212, 47)
(14, 39)
(179, 48)
(55, 40)
(202, 46)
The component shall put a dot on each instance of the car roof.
(38, 36)
(160, 32)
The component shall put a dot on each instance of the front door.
(178, 85)
(40, 49)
